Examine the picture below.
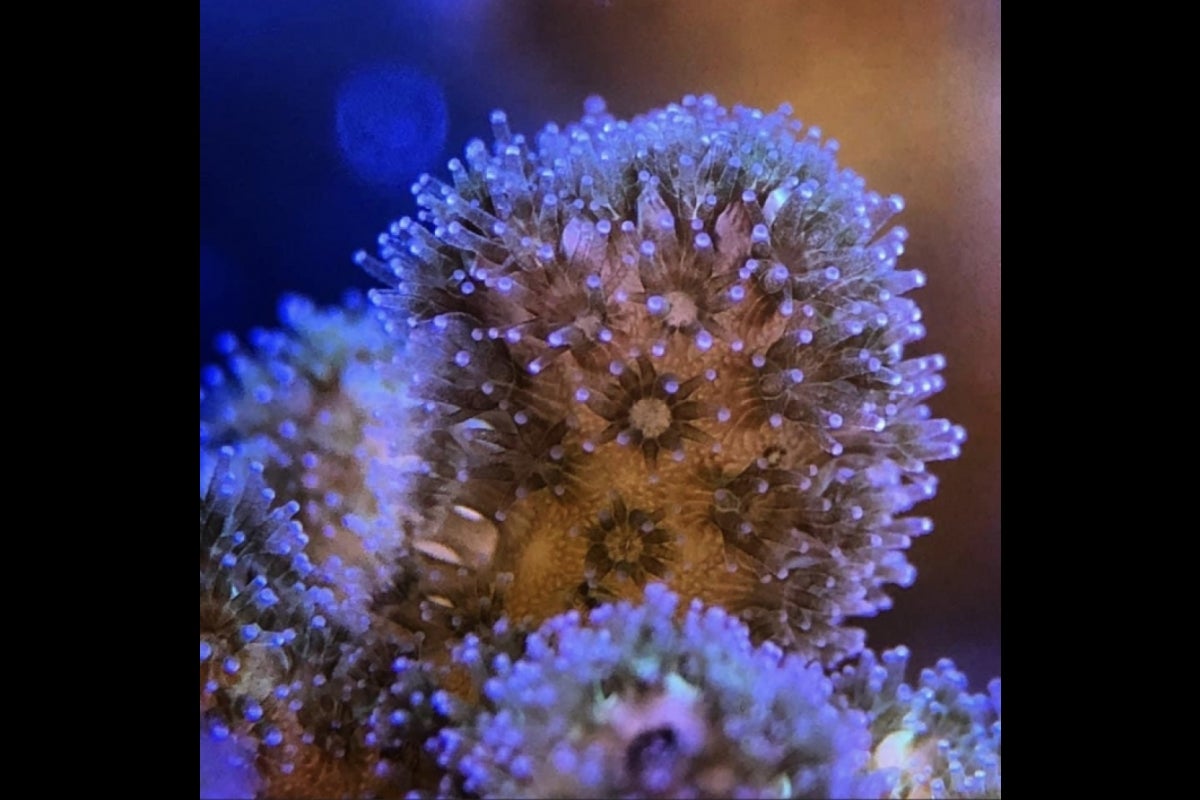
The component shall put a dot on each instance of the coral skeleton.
(583, 503)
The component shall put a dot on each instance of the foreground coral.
(673, 349)
(631, 703)
(660, 362)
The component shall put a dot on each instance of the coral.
(673, 348)
(264, 613)
(584, 506)
(944, 740)
(322, 708)
(297, 402)
(632, 703)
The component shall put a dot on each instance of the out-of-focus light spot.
(391, 124)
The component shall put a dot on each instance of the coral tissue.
(669, 349)
(585, 508)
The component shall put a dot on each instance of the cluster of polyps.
(670, 348)
(635, 702)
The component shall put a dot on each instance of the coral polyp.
(629, 543)
(647, 411)
(695, 312)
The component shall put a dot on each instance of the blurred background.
(316, 115)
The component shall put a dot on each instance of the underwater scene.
(599, 398)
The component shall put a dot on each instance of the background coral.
(319, 699)
(297, 401)
(265, 616)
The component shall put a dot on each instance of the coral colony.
(581, 503)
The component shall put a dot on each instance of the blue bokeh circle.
(391, 124)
